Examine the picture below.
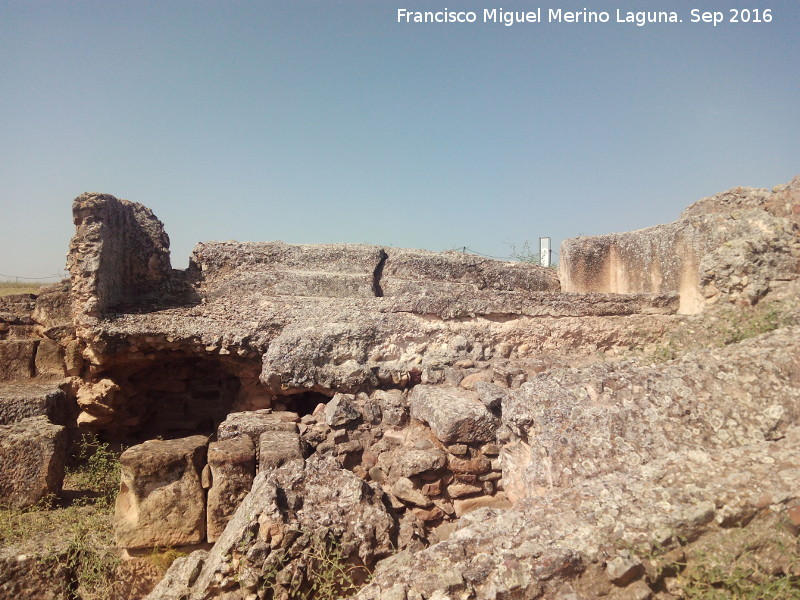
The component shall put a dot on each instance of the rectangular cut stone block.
(233, 467)
(49, 361)
(32, 454)
(17, 359)
(161, 500)
(455, 415)
(253, 423)
(20, 401)
(277, 447)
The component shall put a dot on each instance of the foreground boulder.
(32, 455)
(594, 539)
(614, 418)
(278, 538)
(161, 499)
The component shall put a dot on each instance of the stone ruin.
(443, 417)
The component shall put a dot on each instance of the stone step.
(22, 400)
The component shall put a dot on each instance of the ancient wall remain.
(357, 271)
(656, 260)
(729, 246)
(279, 269)
(119, 253)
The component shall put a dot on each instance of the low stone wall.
(433, 452)
(357, 271)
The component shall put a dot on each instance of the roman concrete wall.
(119, 253)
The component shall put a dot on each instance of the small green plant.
(708, 580)
(162, 558)
(330, 574)
(93, 559)
(524, 253)
(75, 537)
(664, 353)
(98, 471)
(757, 562)
(747, 325)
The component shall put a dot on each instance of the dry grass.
(20, 287)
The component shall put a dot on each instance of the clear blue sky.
(327, 121)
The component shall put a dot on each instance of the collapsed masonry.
(398, 399)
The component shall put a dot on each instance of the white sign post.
(544, 251)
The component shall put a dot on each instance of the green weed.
(746, 325)
(162, 558)
(74, 537)
(330, 574)
(98, 471)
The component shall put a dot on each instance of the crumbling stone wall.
(119, 254)
(34, 411)
(659, 259)
(731, 246)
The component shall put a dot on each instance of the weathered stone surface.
(17, 359)
(467, 505)
(615, 417)
(458, 490)
(73, 358)
(254, 423)
(233, 467)
(27, 577)
(410, 462)
(557, 543)
(475, 464)
(161, 500)
(49, 361)
(727, 246)
(403, 489)
(97, 402)
(623, 569)
(318, 501)
(393, 405)
(277, 448)
(119, 254)
(19, 401)
(53, 307)
(32, 455)
(490, 394)
(341, 410)
(16, 309)
(454, 415)
(279, 269)
(455, 273)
